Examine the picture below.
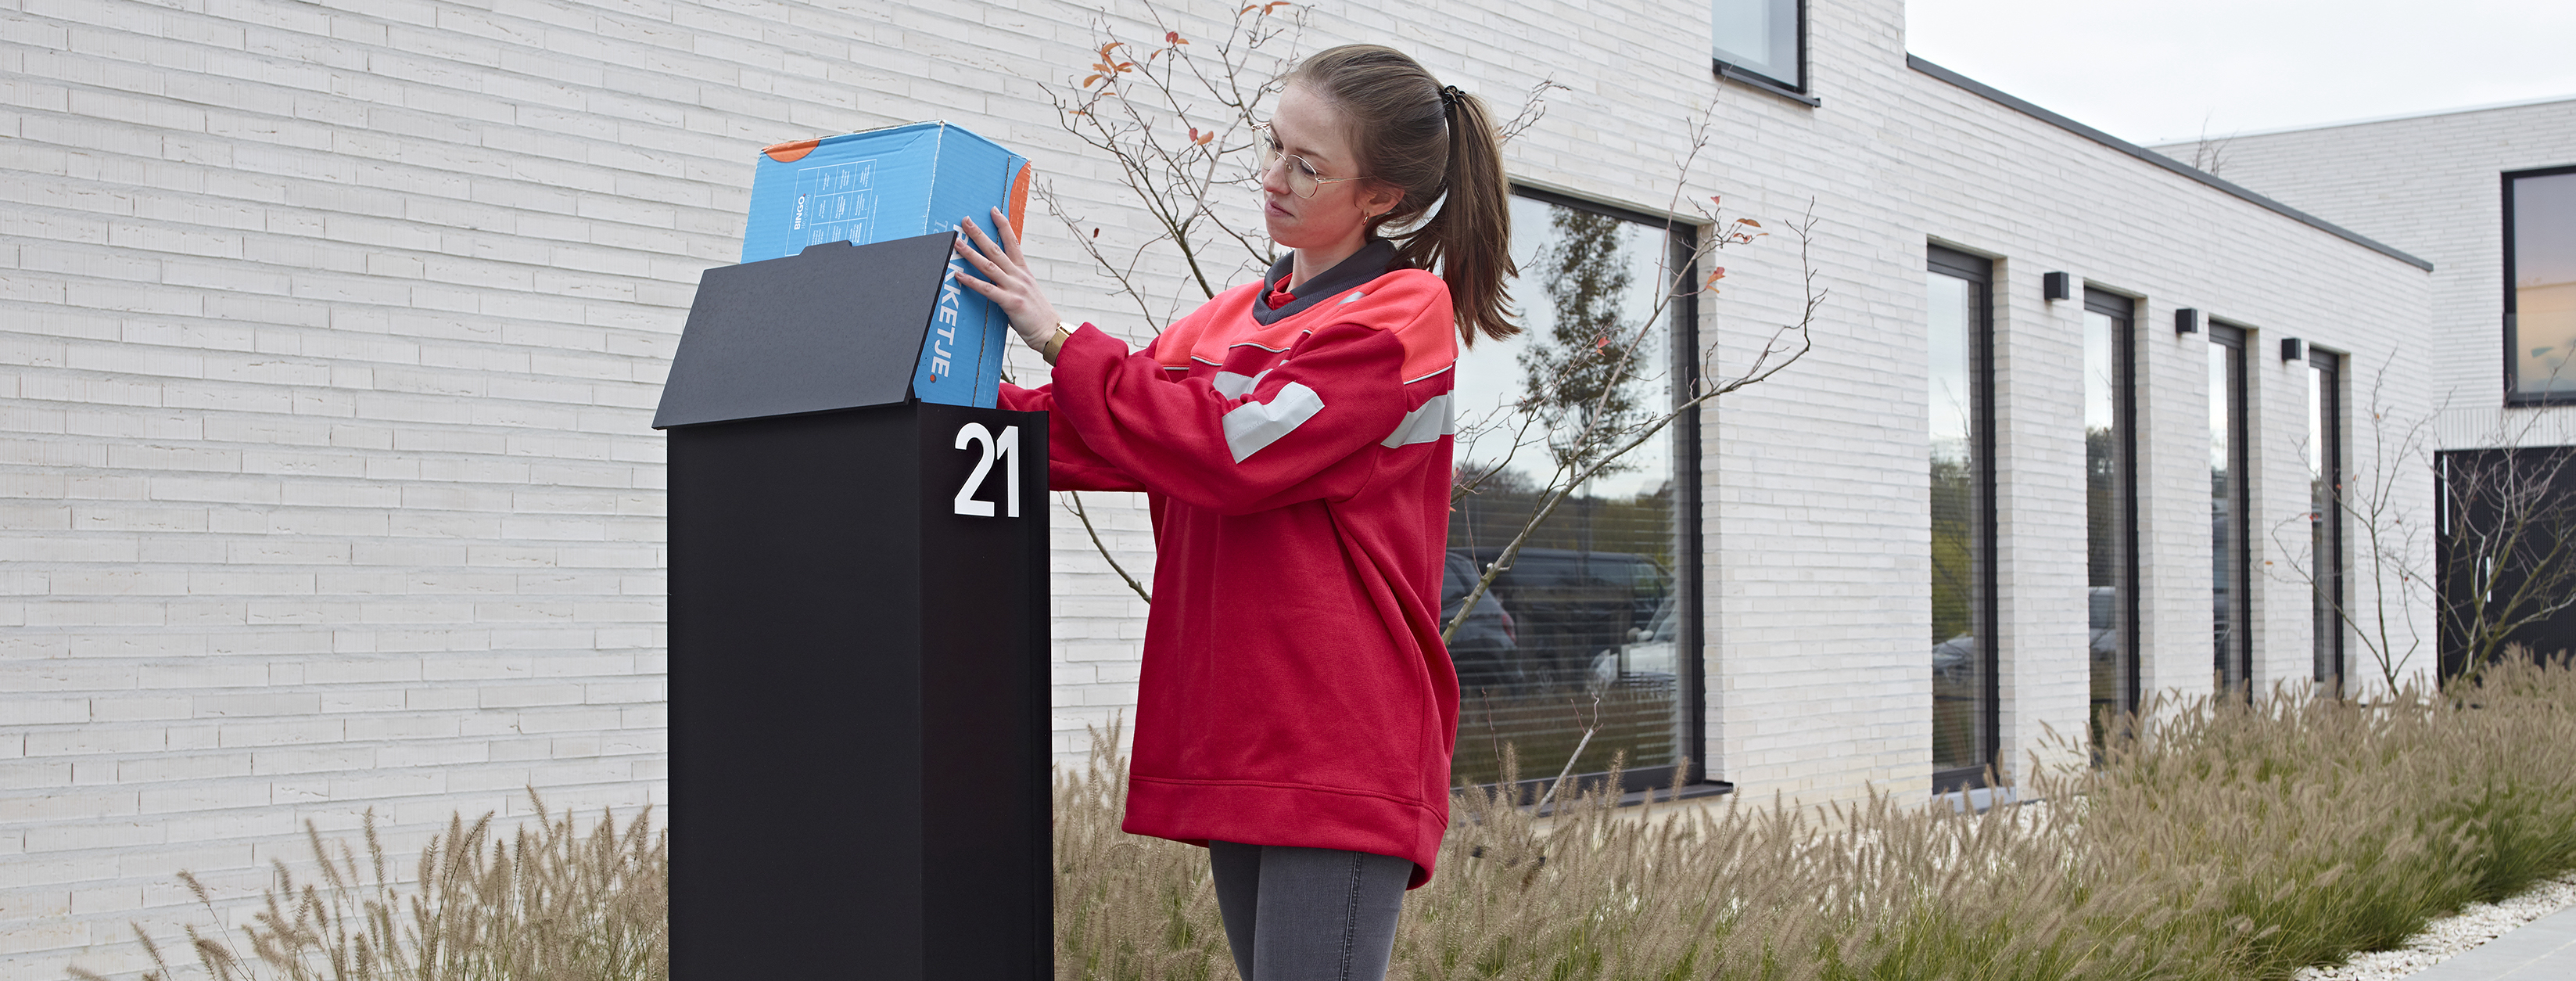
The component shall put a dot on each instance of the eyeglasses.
(1302, 178)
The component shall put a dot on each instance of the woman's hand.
(1007, 281)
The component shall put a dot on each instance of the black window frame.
(2327, 557)
(2234, 668)
(1793, 91)
(1689, 655)
(2123, 311)
(2513, 394)
(1980, 271)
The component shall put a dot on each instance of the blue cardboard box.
(890, 183)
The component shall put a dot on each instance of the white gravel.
(2442, 938)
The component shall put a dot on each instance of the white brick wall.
(329, 335)
(2430, 184)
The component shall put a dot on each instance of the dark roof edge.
(2158, 159)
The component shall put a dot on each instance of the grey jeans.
(1308, 914)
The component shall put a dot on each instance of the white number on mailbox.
(1006, 451)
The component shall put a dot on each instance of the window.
(1603, 599)
(2231, 639)
(1764, 39)
(2110, 502)
(2325, 515)
(2506, 554)
(2540, 285)
(1959, 327)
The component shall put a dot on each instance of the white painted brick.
(329, 339)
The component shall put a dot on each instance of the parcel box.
(899, 182)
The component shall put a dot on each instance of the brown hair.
(1427, 140)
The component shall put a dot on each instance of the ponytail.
(1437, 145)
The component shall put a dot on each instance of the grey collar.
(1369, 263)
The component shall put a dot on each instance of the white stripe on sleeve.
(1235, 386)
(1254, 425)
(1424, 425)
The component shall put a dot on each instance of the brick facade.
(2432, 185)
(332, 332)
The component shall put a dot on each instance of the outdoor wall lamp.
(2058, 285)
(2187, 320)
(2292, 349)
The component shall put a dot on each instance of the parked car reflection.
(1561, 617)
(1482, 650)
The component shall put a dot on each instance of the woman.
(1296, 710)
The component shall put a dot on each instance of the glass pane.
(2325, 538)
(2225, 367)
(2104, 499)
(1759, 36)
(2544, 283)
(1958, 525)
(1582, 631)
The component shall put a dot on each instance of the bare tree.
(1176, 117)
(2207, 155)
(1577, 400)
(2390, 584)
(2508, 546)
(2495, 555)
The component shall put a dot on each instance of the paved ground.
(2541, 950)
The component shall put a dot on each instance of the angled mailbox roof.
(838, 326)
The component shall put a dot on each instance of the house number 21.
(1004, 449)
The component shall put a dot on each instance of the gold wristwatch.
(1054, 344)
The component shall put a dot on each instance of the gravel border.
(2450, 935)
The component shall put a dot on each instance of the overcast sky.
(2156, 71)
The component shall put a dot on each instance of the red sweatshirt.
(1294, 688)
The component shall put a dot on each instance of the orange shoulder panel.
(1410, 303)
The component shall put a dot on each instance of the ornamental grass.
(555, 900)
(2234, 841)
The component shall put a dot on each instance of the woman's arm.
(1071, 464)
(1296, 435)
(1010, 285)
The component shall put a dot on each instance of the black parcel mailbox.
(858, 636)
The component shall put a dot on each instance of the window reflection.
(1955, 329)
(2231, 648)
(1758, 36)
(2540, 260)
(1586, 629)
(2325, 516)
(2108, 520)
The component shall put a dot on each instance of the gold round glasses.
(1302, 178)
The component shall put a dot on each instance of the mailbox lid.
(837, 326)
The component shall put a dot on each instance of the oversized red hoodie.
(1297, 459)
